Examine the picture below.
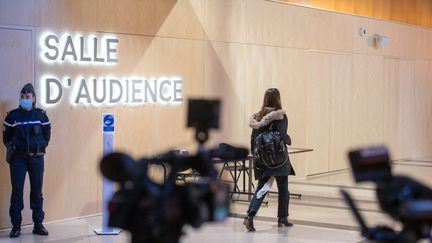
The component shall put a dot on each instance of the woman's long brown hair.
(271, 100)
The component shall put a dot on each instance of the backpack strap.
(271, 126)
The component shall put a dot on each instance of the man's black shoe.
(39, 229)
(15, 232)
(284, 222)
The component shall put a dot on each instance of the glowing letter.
(69, 43)
(95, 51)
(111, 50)
(95, 89)
(162, 91)
(48, 98)
(52, 47)
(82, 57)
(135, 91)
(120, 88)
(85, 95)
(148, 90)
(177, 90)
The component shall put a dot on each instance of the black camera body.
(403, 198)
(155, 212)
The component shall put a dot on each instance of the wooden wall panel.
(255, 84)
(264, 22)
(408, 42)
(293, 88)
(320, 30)
(225, 20)
(390, 122)
(127, 16)
(329, 31)
(428, 50)
(130, 16)
(423, 49)
(262, 65)
(340, 110)
(66, 196)
(168, 52)
(318, 116)
(421, 122)
(67, 14)
(293, 29)
(329, 111)
(135, 56)
(15, 51)
(367, 100)
(406, 86)
(224, 75)
(17, 12)
(180, 18)
(397, 111)
(393, 32)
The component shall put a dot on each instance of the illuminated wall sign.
(111, 91)
(79, 49)
(69, 49)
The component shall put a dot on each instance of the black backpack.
(270, 149)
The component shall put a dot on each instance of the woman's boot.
(248, 222)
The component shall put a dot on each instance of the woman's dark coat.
(279, 122)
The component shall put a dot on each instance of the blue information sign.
(108, 122)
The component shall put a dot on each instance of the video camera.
(401, 197)
(155, 212)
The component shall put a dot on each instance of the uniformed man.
(26, 133)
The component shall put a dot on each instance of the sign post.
(107, 185)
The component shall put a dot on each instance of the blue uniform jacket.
(27, 131)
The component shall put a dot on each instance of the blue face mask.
(26, 104)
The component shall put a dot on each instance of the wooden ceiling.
(417, 12)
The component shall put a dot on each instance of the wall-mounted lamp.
(361, 31)
(379, 41)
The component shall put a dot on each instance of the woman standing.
(270, 115)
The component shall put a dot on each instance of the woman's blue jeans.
(283, 197)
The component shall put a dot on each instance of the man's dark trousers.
(20, 165)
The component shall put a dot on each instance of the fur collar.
(267, 119)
